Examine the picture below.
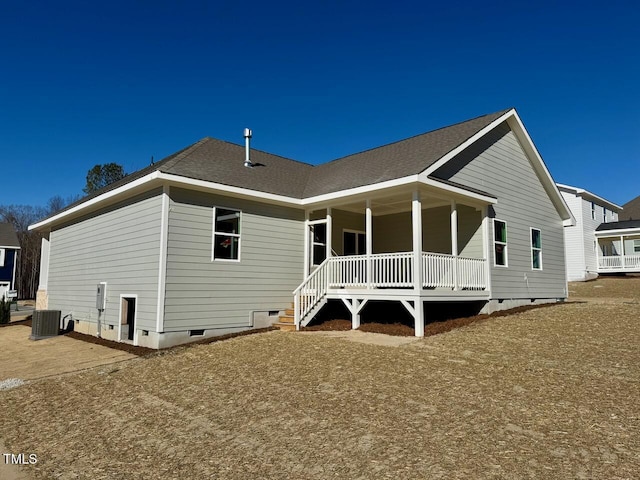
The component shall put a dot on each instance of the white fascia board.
(618, 232)
(459, 191)
(327, 197)
(468, 142)
(99, 199)
(591, 196)
(538, 164)
(518, 128)
(238, 191)
(10, 248)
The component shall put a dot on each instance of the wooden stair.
(286, 322)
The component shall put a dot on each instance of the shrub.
(5, 311)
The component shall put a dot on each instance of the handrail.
(310, 292)
(315, 272)
(387, 270)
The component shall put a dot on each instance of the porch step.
(285, 327)
(286, 322)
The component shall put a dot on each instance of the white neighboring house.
(587, 252)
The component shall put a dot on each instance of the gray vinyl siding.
(393, 233)
(205, 294)
(470, 242)
(120, 246)
(436, 230)
(497, 164)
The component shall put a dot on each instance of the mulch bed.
(430, 329)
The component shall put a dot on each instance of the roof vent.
(247, 137)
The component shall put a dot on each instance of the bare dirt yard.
(550, 393)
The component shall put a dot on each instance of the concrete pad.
(29, 360)
(367, 337)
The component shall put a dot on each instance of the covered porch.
(618, 247)
(427, 243)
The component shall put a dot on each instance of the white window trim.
(135, 317)
(357, 232)
(531, 229)
(237, 235)
(506, 245)
(2, 256)
(313, 243)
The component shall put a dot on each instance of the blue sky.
(84, 83)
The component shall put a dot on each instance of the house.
(9, 250)
(599, 242)
(215, 238)
(581, 246)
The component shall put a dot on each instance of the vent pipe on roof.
(247, 137)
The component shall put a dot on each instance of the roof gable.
(395, 160)
(631, 210)
(8, 236)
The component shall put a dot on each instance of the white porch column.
(44, 265)
(597, 254)
(329, 232)
(307, 246)
(416, 223)
(368, 236)
(622, 261)
(454, 242)
(486, 245)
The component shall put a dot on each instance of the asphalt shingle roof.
(222, 162)
(618, 225)
(8, 237)
(395, 160)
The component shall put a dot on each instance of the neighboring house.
(581, 246)
(199, 245)
(9, 250)
(599, 243)
(631, 210)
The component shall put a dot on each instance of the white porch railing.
(387, 270)
(472, 274)
(311, 291)
(392, 269)
(441, 270)
(348, 271)
(620, 262)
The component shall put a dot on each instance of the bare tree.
(21, 216)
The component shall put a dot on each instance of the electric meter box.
(101, 296)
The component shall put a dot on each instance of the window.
(604, 214)
(353, 243)
(500, 242)
(636, 246)
(318, 243)
(226, 234)
(2, 257)
(536, 249)
(593, 211)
